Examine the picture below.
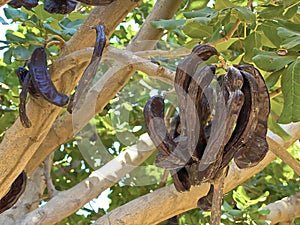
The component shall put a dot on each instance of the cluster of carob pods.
(37, 81)
(56, 6)
(220, 118)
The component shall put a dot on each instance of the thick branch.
(19, 143)
(286, 157)
(57, 209)
(284, 210)
(174, 203)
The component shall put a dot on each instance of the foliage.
(265, 35)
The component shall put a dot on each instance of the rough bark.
(28, 201)
(56, 209)
(284, 210)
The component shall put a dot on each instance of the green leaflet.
(270, 61)
(167, 24)
(290, 83)
(250, 43)
(277, 129)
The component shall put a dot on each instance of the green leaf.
(273, 78)
(272, 12)
(3, 21)
(270, 61)
(198, 27)
(245, 14)
(269, 29)
(21, 53)
(15, 14)
(277, 129)
(251, 42)
(226, 44)
(291, 42)
(290, 83)
(7, 56)
(167, 24)
(206, 12)
(222, 4)
(286, 33)
(14, 38)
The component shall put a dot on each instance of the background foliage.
(266, 35)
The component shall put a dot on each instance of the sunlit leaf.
(270, 61)
(290, 83)
(167, 24)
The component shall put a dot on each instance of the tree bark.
(284, 210)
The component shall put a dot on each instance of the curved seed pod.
(205, 202)
(16, 190)
(28, 4)
(96, 2)
(156, 128)
(91, 69)
(180, 177)
(226, 115)
(246, 121)
(185, 71)
(22, 107)
(59, 6)
(195, 113)
(22, 73)
(41, 78)
(256, 147)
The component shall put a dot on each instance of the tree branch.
(56, 209)
(174, 203)
(284, 210)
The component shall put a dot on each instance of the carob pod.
(28, 4)
(246, 121)
(96, 2)
(256, 147)
(226, 115)
(184, 72)
(23, 74)
(26, 80)
(14, 193)
(41, 78)
(91, 69)
(59, 6)
(157, 130)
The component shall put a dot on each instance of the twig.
(164, 178)
(275, 93)
(217, 201)
(162, 53)
(286, 157)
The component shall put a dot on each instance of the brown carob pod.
(38, 83)
(41, 78)
(14, 193)
(91, 69)
(256, 147)
(27, 4)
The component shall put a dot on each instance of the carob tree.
(220, 119)
(57, 6)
